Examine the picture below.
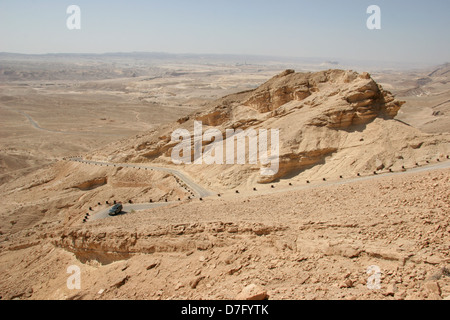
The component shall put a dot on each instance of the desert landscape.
(362, 185)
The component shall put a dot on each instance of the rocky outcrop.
(107, 246)
(280, 90)
(92, 184)
(356, 99)
(315, 114)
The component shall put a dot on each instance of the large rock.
(252, 292)
(433, 287)
(345, 97)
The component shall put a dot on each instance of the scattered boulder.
(433, 287)
(346, 251)
(252, 292)
(194, 282)
(153, 264)
(120, 282)
(347, 283)
(391, 289)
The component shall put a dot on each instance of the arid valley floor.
(364, 180)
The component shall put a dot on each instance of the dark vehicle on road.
(116, 209)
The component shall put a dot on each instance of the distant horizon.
(284, 59)
(410, 31)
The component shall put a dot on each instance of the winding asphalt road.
(127, 208)
(202, 192)
(199, 190)
(315, 184)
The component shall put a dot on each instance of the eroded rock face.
(106, 246)
(355, 99)
(92, 184)
(281, 89)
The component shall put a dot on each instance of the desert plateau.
(358, 208)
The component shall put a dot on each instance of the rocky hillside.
(306, 244)
(315, 241)
(328, 121)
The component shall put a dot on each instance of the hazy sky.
(411, 30)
